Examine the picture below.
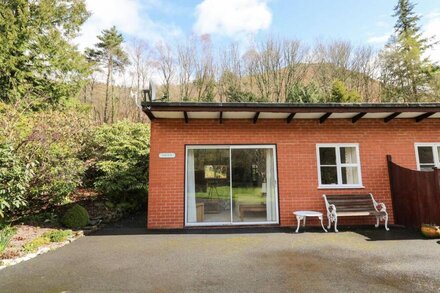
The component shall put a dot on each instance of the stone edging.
(41, 250)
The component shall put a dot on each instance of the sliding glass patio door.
(228, 185)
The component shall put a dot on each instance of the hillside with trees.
(273, 69)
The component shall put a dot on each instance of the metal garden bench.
(353, 205)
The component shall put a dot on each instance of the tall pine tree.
(109, 54)
(406, 73)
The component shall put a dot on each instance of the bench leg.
(329, 221)
(386, 223)
(377, 221)
(322, 225)
(336, 224)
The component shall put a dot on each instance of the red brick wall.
(296, 159)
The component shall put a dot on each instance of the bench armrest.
(380, 207)
(331, 208)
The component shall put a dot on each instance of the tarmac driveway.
(124, 258)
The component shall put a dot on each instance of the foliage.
(33, 245)
(235, 95)
(122, 153)
(15, 178)
(405, 72)
(53, 142)
(75, 217)
(435, 82)
(209, 86)
(6, 235)
(300, 93)
(46, 238)
(56, 142)
(40, 218)
(37, 59)
(58, 235)
(340, 93)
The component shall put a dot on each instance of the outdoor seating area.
(354, 205)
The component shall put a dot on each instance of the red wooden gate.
(415, 194)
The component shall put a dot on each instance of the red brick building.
(254, 164)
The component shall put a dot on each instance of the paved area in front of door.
(128, 260)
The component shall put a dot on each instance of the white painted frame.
(434, 146)
(339, 166)
(231, 147)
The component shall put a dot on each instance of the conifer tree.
(108, 53)
(37, 59)
(405, 71)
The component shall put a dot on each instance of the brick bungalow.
(228, 164)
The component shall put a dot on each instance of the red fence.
(415, 194)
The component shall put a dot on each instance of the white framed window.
(427, 156)
(339, 165)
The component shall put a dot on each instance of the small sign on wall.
(167, 155)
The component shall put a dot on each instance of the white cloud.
(232, 18)
(129, 16)
(378, 39)
(432, 30)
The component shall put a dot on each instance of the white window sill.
(341, 187)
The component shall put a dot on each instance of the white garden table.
(302, 215)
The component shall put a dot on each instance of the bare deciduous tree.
(186, 68)
(275, 66)
(141, 71)
(230, 75)
(166, 64)
(204, 79)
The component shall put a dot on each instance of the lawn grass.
(239, 194)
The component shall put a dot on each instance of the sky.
(368, 22)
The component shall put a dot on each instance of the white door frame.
(230, 147)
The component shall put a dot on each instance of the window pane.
(253, 185)
(425, 155)
(438, 150)
(327, 156)
(350, 175)
(427, 167)
(348, 155)
(208, 197)
(329, 175)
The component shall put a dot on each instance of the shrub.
(122, 153)
(40, 218)
(75, 217)
(55, 140)
(5, 237)
(56, 143)
(58, 235)
(15, 177)
(34, 244)
(46, 238)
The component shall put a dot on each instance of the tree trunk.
(107, 89)
(113, 105)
